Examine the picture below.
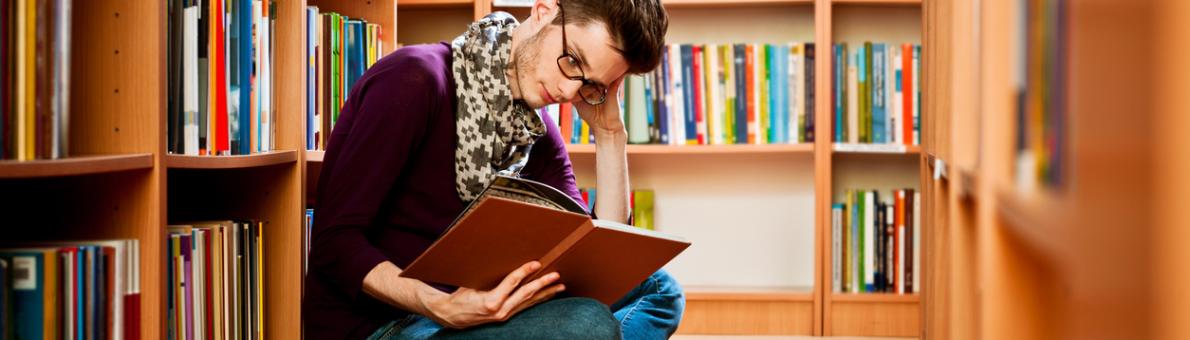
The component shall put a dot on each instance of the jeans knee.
(588, 319)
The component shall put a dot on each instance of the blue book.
(741, 95)
(27, 268)
(355, 52)
(840, 70)
(663, 92)
(311, 77)
(688, 94)
(783, 93)
(879, 120)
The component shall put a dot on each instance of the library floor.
(776, 337)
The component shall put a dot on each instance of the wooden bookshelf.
(81, 165)
(913, 3)
(748, 311)
(230, 162)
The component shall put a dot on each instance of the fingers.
(496, 297)
(526, 292)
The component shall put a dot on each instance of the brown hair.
(637, 27)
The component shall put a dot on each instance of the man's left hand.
(606, 117)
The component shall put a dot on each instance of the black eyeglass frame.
(589, 88)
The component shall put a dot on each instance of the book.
(598, 259)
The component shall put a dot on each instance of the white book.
(198, 284)
(60, 124)
(869, 240)
(917, 279)
(673, 95)
(797, 93)
(190, 80)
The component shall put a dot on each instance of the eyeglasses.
(570, 66)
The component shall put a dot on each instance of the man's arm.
(611, 158)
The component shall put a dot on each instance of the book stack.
(876, 242)
(221, 97)
(214, 279)
(716, 94)
(71, 290)
(35, 40)
(640, 204)
(338, 51)
(877, 94)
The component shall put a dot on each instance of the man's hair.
(637, 27)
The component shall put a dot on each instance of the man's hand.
(468, 307)
(603, 118)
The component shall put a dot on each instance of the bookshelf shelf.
(589, 149)
(1036, 218)
(895, 149)
(82, 165)
(230, 162)
(749, 294)
(878, 2)
(875, 298)
(434, 4)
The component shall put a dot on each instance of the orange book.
(515, 221)
(566, 121)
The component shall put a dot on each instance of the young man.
(421, 134)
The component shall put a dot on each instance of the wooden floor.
(776, 337)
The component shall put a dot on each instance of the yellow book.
(20, 85)
(729, 86)
(50, 316)
(708, 80)
(30, 81)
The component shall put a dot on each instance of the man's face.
(540, 81)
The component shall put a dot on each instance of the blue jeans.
(652, 310)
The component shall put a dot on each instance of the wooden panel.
(431, 25)
(383, 12)
(81, 165)
(435, 3)
(874, 319)
(230, 162)
(823, 167)
(875, 298)
(747, 317)
(1172, 145)
(878, 2)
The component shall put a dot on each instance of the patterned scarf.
(495, 132)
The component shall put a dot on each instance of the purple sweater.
(387, 188)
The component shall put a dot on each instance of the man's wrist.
(610, 136)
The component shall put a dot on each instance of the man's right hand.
(469, 307)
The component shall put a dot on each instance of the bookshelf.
(1097, 255)
(120, 182)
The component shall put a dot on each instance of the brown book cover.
(515, 221)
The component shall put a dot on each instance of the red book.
(698, 117)
(907, 93)
(899, 241)
(220, 79)
(566, 121)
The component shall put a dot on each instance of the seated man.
(423, 132)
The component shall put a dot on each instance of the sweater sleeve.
(381, 125)
(549, 162)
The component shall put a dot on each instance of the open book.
(516, 220)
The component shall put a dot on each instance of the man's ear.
(543, 12)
